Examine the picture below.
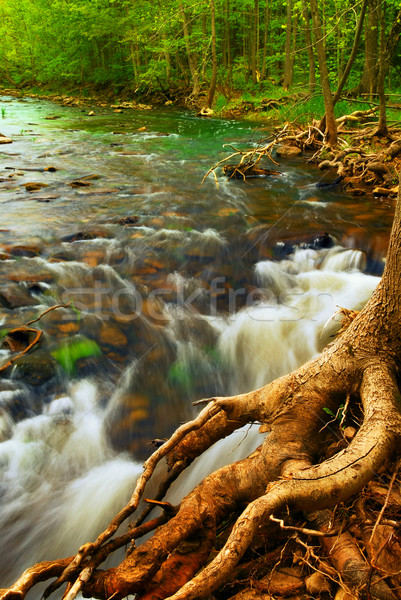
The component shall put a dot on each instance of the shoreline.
(368, 165)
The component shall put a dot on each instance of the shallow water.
(179, 290)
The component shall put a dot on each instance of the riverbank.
(366, 163)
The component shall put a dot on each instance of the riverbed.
(176, 290)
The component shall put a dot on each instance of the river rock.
(34, 186)
(14, 296)
(48, 198)
(16, 403)
(79, 183)
(28, 251)
(35, 368)
(88, 234)
(128, 221)
(90, 177)
(288, 151)
(5, 140)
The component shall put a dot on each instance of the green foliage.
(141, 45)
(3, 333)
(70, 351)
(180, 375)
(339, 416)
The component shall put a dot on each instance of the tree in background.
(179, 48)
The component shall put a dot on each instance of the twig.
(38, 335)
(383, 508)
(26, 329)
(149, 466)
(304, 530)
(48, 310)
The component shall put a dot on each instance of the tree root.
(373, 168)
(288, 474)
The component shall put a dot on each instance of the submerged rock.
(14, 296)
(34, 186)
(35, 368)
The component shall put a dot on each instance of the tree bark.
(330, 121)
(309, 47)
(288, 62)
(212, 87)
(192, 62)
(353, 54)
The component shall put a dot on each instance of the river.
(178, 290)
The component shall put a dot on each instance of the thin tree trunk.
(330, 121)
(193, 67)
(309, 47)
(266, 31)
(382, 126)
(353, 54)
(212, 87)
(288, 39)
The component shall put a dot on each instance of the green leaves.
(142, 43)
(69, 352)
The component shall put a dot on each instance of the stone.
(14, 296)
(288, 151)
(46, 198)
(128, 221)
(90, 177)
(5, 140)
(205, 112)
(317, 584)
(79, 183)
(34, 186)
(35, 368)
(24, 250)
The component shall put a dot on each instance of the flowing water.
(176, 290)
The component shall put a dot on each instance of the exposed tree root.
(292, 474)
(23, 339)
(352, 160)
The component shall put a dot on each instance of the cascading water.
(177, 291)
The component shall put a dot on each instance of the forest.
(315, 510)
(181, 49)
